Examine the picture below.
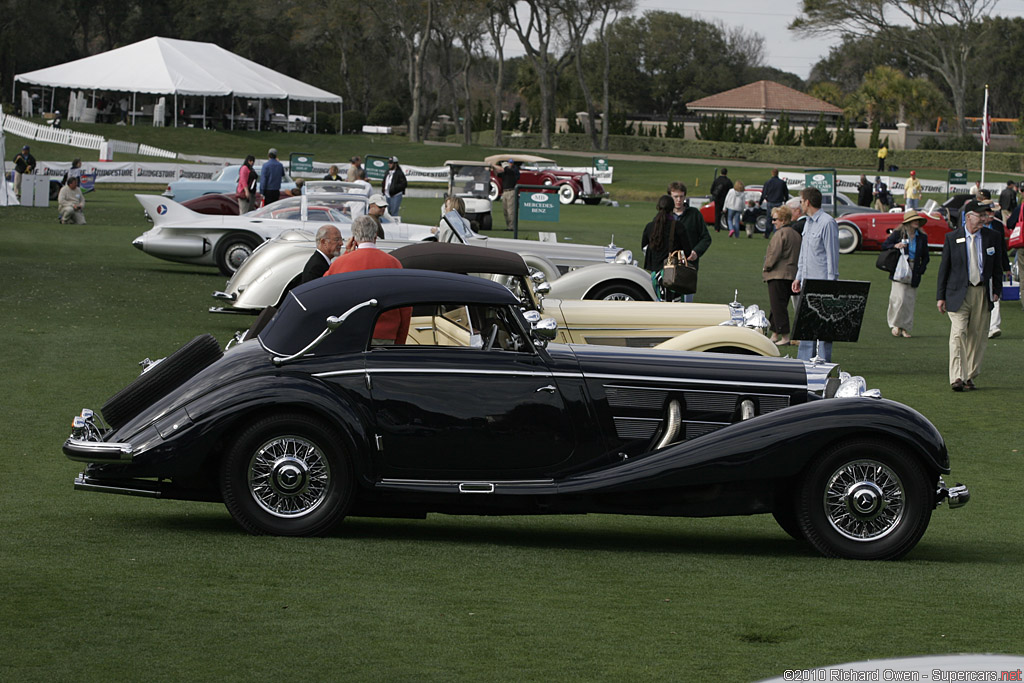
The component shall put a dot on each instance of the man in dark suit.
(719, 189)
(328, 246)
(969, 282)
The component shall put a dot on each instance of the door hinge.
(380, 442)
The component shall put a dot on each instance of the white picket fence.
(73, 138)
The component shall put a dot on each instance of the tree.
(946, 32)
(497, 10)
(543, 22)
(411, 21)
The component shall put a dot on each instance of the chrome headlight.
(754, 317)
(625, 256)
(855, 386)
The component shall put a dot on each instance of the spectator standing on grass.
(883, 199)
(661, 237)
(270, 177)
(819, 259)
(355, 165)
(393, 186)
(1017, 218)
(71, 203)
(690, 220)
(774, 193)
(911, 240)
(24, 163)
(779, 271)
(883, 152)
(246, 189)
(967, 289)
(332, 173)
(865, 191)
(328, 246)
(1002, 260)
(74, 172)
(1008, 200)
(509, 176)
(719, 189)
(912, 192)
(734, 206)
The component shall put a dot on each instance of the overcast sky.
(783, 48)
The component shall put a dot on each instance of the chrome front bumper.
(957, 496)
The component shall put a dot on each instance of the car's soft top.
(303, 315)
(460, 258)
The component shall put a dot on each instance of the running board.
(86, 483)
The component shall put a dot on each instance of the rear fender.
(163, 210)
(267, 287)
(722, 336)
(775, 446)
(542, 264)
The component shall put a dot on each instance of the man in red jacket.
(361, 253)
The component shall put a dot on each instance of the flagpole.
(986, 133)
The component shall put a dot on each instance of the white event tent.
(167, 66)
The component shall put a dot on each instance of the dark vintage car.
(479, 414)
(535, 170)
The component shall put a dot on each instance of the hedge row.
(826, 157)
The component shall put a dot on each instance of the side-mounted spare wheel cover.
(161, 379)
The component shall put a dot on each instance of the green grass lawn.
(105, 587)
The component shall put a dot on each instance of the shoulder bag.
(888, 259)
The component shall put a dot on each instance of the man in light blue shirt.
(819, 258)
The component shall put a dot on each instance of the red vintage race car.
(869, 230)
(535, 170)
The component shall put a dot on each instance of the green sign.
(822, 179)
(376, 167)
(538, 206)
(958, 176)
(600, 164)
(300, 163)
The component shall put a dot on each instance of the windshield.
(320, 209)
(455, 228)
(469, 181)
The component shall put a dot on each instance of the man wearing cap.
(912, 192)
(508, 174)
(328, 246)
(270, 177)
(24, 162)
(393, 186)
(362, 254)
(354, 168)
(967, 289)
(375, 210)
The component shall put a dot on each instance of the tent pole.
(341, 117)
(259, 121)
(133, 108)
(53, 98)
(232, 125)
(314, 117)
(175, 110)
(204, 112)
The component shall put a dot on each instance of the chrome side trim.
(85, 483)
(98, 451)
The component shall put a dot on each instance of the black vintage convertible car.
(477, 413)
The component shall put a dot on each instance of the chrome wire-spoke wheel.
(289, 476)
(619, 296)
(864, 500)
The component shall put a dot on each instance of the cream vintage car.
(636, 324)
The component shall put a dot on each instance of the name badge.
(990, 251)
(961, 240)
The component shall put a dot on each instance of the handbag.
(903, 272)
(679, 276)
(1016, 238)
(888, 260)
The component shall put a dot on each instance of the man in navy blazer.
(328, 246)
(969, 282)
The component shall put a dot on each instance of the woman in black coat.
(911, 240)
(659, 240)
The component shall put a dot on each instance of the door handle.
(550, 388)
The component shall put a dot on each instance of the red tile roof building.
(765, 100)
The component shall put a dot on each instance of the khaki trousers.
(508, 198)
(968, 334)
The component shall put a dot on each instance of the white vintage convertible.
(185, 236)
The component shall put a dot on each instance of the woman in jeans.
(734, 206)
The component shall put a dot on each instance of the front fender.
(577, 284)
(718, 337)
(544, 265)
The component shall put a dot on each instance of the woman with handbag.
(912, 242)
(734, 206)
(780, 262)
(660, 239)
